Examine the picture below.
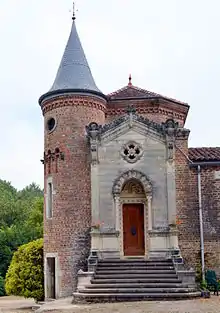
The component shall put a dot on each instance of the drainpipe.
(201, 222)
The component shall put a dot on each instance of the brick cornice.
(76, 100)
(144, 110)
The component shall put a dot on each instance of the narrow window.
(49, 199)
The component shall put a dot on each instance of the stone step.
(131, 266)
(134, 271)
(114, 297)
(137, 290)
(135, 280)
(137, 275)
(134, 261)
(137, 285)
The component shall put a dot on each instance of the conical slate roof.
(74, 74)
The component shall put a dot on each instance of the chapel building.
(121, 182)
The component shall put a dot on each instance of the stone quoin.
(120, 179)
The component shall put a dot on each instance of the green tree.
(21, 219)
(34, 223)
(25, 274)
(2, 287)
(8, 212)
(31, 191)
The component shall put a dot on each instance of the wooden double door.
(133, 229)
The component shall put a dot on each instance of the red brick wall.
(67, 233)
(188, 211)
(155, 111)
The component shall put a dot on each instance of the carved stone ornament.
(93, 130)
(170, 127)
(93, 134)
(115, 123)
(131, 152)
(133, 187)
(131, 175)
(131, 109)
(170, 150)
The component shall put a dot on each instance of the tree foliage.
(25, 274)
(2, 289)
(21, 219)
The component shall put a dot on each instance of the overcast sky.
(169, 46)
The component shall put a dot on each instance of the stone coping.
(162, 232)
(105, 233)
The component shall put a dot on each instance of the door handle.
(133, 231)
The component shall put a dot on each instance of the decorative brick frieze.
(77, 100)
(52, 157)
(158, 110)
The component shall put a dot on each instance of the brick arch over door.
(131, 174)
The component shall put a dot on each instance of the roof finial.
(74, 16)
(129, 82)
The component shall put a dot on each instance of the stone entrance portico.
(124, 170)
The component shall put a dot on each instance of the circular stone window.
(51, 124)
(131, 152)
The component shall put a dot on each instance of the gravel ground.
(64, 306)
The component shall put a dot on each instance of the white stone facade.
(151, 167)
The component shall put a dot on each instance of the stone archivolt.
(132, 187)
(120, 182)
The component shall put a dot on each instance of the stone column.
(117, 213)
(171, 129)
(171, 192)
(149, 205)
(95, 192)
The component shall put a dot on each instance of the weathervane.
(74, 16)
(129, 80)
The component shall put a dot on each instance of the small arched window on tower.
(49, 198)
(49, 161)
(57, 154)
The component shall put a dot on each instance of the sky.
(170, 47)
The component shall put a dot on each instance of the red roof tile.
(204, 154)
(131, 91)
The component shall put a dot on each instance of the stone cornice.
(169, 129)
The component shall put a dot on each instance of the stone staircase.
(134, 280)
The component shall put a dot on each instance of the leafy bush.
(198, 273)
(203, 285)
(25, 274)
(2, 287)
(21, 219)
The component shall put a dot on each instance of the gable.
(135, 132)
(137, 123)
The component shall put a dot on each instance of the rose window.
(131, 152)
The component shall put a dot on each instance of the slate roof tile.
(74, 72)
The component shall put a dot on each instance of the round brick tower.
(72, 103)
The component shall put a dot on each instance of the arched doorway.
(133, 218)
(132, 193)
